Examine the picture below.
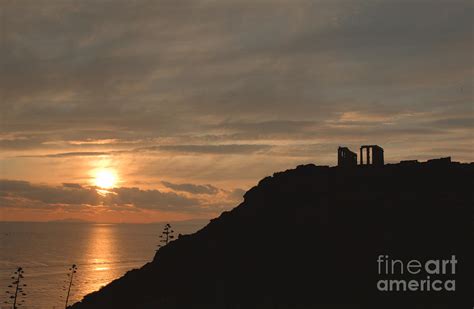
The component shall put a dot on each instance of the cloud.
(151, 199)
(72, 185)
(272, 129)
(179, 149)
(201, 199)
(76, 154)
(192, 188)
(455, 123)
(188, 65)
(212, 149)
(69, 194)
(20, 142)
(236, 194)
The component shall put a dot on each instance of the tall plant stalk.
(16, 296)
(166, 236)
(71, 273)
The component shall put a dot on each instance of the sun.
(105, 178)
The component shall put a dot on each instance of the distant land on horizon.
(71, 220)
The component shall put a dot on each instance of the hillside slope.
(310, 238)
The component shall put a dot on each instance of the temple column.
(368, 155)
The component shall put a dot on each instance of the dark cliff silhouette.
(310, 238)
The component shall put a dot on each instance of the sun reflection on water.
(101, 268)
(99, 255)
(102, 253)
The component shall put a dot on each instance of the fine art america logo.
(433, 275)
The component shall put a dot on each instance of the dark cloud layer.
(212, 149)
(77, 154)
(66, 194)
(76, 195)
(192, 188)
(161, 68)
(23, 194)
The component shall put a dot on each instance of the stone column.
(368, 155)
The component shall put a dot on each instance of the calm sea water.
(102, 252)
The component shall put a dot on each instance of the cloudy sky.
(183, 105)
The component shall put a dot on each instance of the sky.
(144, 111)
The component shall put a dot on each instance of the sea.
(47, 250)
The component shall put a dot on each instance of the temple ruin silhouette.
(345, 157)
(373, 153)
(377, 155)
